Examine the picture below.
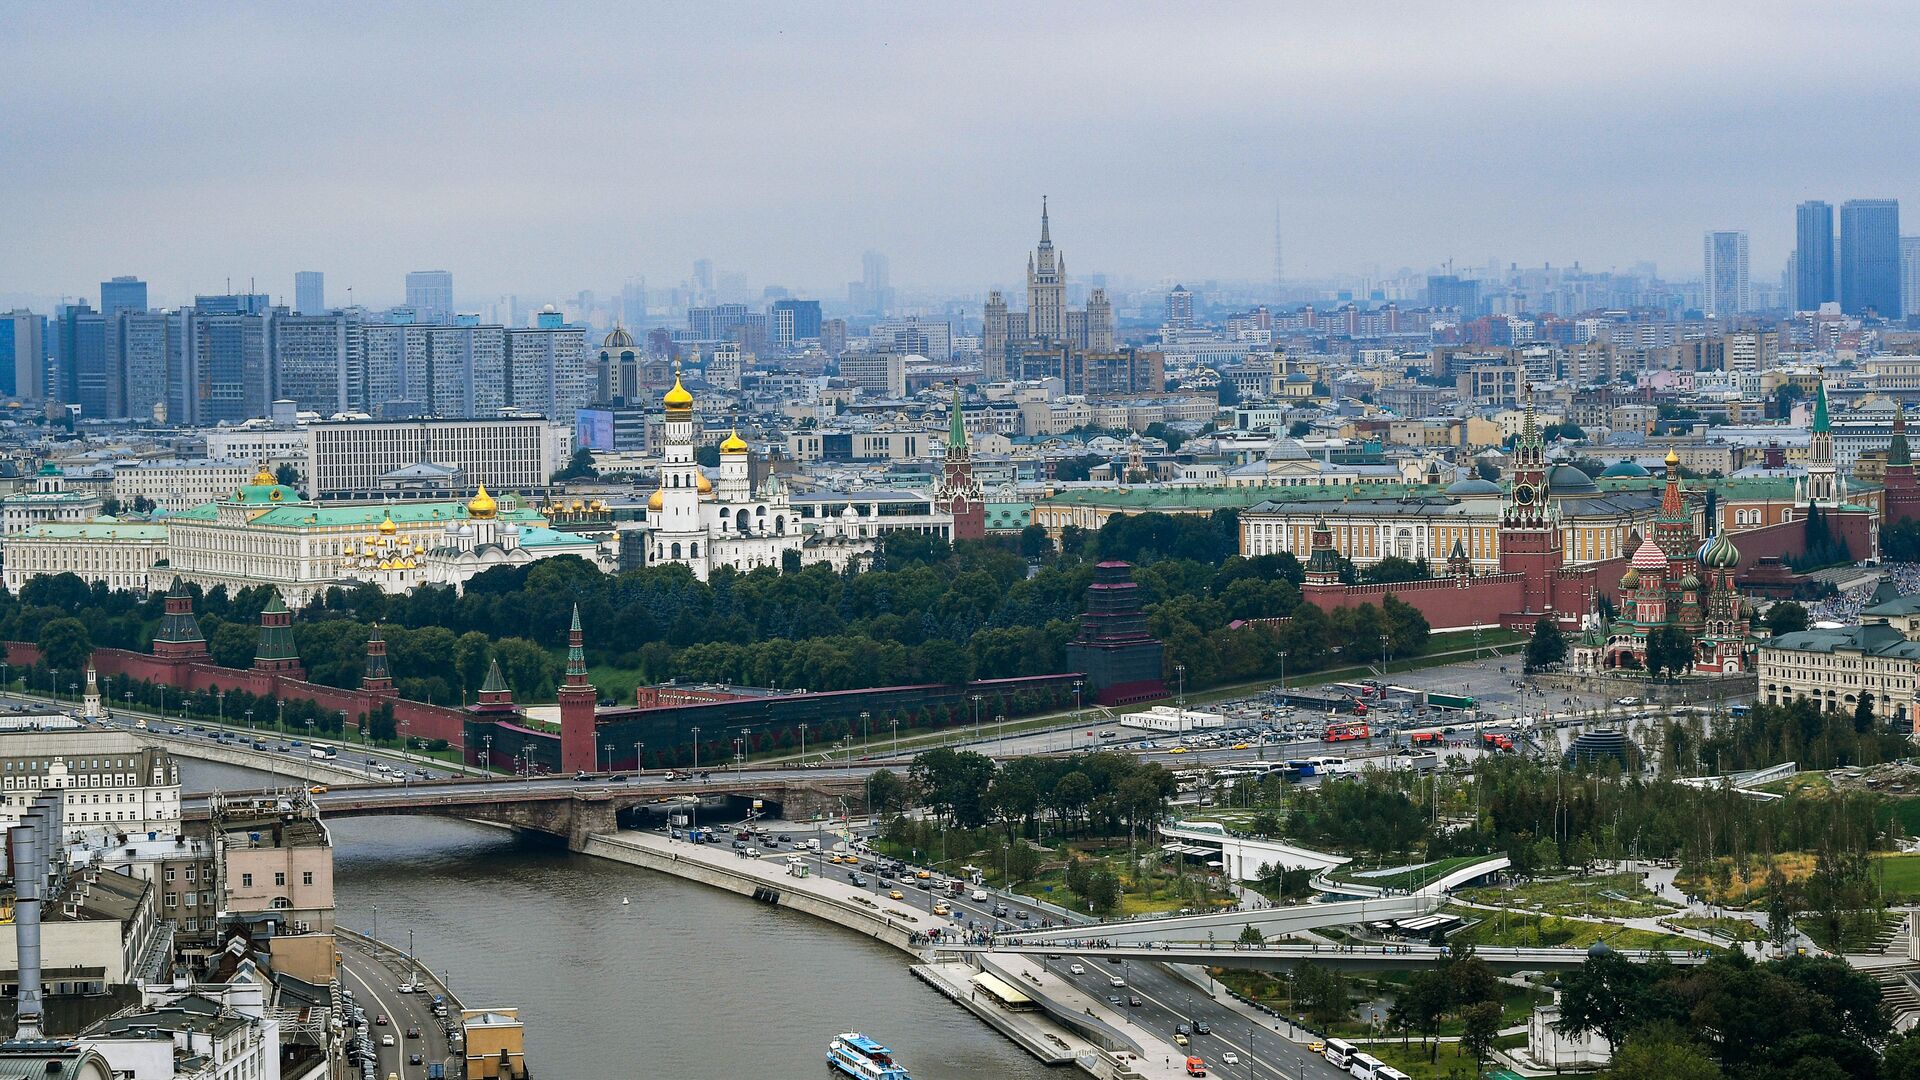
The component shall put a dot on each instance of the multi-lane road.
(375, 975)
(1166, 999)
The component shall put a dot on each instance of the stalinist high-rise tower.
(1046, 286)
(1047, 322)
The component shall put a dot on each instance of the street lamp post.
(608, 747)
(280, 722)
(976, 718)
(486, 754)
(636, 757)
(696, 749)
(803, 744)
(895, 721)
(220, 708)
(1180, 687)
(866, 739)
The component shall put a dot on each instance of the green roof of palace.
(540, 537)
(358, 515)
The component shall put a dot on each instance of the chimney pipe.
(29, 875)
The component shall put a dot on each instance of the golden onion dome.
(369, 540)
(387, 527)
(734, 444)
(482, 504)
(578, 506)
(1673, 457)
(678, 399)
(656, 500)
(596, 506)
(265, 477)
(705, 485)
(347, 551)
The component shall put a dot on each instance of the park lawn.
(1902, 810)
(1413, 1059)
(1411, 877)
(1598, 894)
(1899, 877)
(1725, 926)
(1859, 931)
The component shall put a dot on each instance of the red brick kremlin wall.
(421, 720)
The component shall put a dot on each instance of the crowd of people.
(1846, 607)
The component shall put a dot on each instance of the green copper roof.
(1820, 421)
(576, 656)
(957, 425)
(539, 538)
(496, 683)
(276, 639)
(370, 514)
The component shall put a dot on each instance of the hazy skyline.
(546, 150)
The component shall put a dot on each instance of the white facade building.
(179, 484)
(349, 457)
(112, 782)
(118, 554)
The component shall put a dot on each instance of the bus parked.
(1339, 1053)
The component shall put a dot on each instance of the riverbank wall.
(836, 902)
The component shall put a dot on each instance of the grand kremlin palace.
(265, 533)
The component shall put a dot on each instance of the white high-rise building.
(1910, 274)
(1728, 292)
(310, 292)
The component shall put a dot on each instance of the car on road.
(409, 988)
(999, 911)
(895, 894)
(583, 775)
(942, 909)
(1196, 1067)
(1113, 999)
(387, 1039)
(1180, 1039)
(1317, 1046)
(979, 895)
(1627, 701)
(317, 789)
(1021, 915)
(413, 1059)
(1200, 1028)
(857, 880)
(1228, 1057)
(1133, 1001)
(1076, 969)
(381, 1020)
(1116, 982)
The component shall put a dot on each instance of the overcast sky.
(547, 148)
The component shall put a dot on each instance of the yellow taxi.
(1178, 750)
(942, 909)
(1317, 1046)
(895, 894)
(1241, 746)
(1180, 1039)
(924, 875)
(317, 789)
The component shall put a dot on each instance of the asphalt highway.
(1166, 999)
(375, 976)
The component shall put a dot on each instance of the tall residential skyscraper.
(1813, 282)
(1728, 290)
(125, 293)
(310, 292)
(430, 295)
(873, 293)
(1870, 257)
(145, 348)
(317, 360)
(1909, 275)
(1180, 308)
